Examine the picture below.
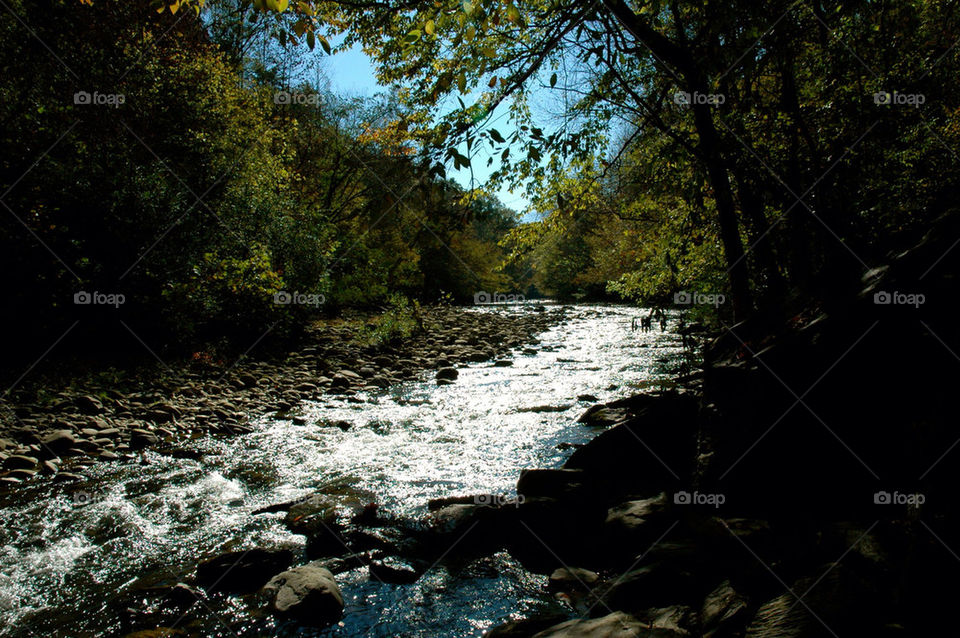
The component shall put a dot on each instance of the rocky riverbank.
(95, 422)
(798, 487)
(804, 487)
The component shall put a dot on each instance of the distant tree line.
(187, 179)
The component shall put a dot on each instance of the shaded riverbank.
(804, 488)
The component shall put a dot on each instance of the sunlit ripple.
(68, 555)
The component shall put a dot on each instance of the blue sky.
(350, 73)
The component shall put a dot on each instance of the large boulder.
(327, 520)
(615, 625)
(552, 532)
(526, 627)
(308, 595)
(656, 585)
(553, 483)
(638, 523)
(649, 452)
(242, 571)
(471, 529)
(724, 612)
(833, 601)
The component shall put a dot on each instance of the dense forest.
(533, 340)
(190, 160)
(189, 169)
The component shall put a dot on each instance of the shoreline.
(100, 424)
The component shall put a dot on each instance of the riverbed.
(74, 559)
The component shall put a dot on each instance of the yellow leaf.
(429, 27)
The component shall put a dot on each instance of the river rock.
(657, 585)
(22, 474)
(20, 461)
(58, 442)
(572, 579)
(552, 483)
(554, 532)
(242, 571)
(89, 405)
(602, 416)
(724, 612)
(447, 374)
(469, 528)
(678, 620)
(393, 570)
(339, 382)
(140, 439)
(650, 452)
(308, 595)
(615, 625)
(526, 627)
(836, 601)
(159, 416)
(636, 524)
(312, 514)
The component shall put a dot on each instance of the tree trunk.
(737, 268)
(669, 52)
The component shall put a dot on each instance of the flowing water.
(74, 557)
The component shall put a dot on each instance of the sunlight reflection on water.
(69, 555)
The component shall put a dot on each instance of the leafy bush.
(401, 319)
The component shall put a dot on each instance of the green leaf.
(324, 44)
(429, 27)
(495, 134)
(553, 80)
(311, 40)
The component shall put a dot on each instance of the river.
(73, 557)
